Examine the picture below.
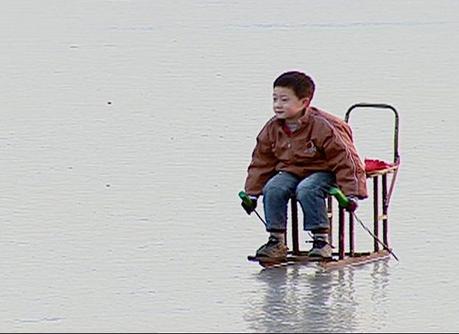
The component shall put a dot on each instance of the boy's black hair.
(300, 83)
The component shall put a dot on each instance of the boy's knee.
(275, 190)
(305, 191)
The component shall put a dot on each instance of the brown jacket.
(323, 142)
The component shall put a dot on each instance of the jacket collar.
(302, 121)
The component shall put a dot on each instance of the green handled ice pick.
(248, 201)
(344, 202)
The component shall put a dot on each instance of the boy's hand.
(353, 203)
(253, 204)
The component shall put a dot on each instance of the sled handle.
(380, 106)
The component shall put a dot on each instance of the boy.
(301, 151)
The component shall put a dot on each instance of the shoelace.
(319, 243)
(272, 241)
(314, 243)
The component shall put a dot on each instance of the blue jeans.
(311, 192)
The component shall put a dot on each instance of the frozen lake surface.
(126, 131)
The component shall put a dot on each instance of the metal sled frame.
(381, 198)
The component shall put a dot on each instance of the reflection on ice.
(303, 299)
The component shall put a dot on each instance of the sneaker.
(273, 249)
(320, 248)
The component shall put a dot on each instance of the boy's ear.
(306, 101)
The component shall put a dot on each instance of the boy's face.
(286, 104)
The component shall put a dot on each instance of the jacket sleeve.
(345, 162)
(263, 165)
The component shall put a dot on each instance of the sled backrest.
(380, 106)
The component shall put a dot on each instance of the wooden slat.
(382, 171)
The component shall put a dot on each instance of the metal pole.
(295, 243)
(330, 219)
(384, 208)
(341, 250)
(351, 235)
(375, 212)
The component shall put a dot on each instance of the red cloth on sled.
(372, 165)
